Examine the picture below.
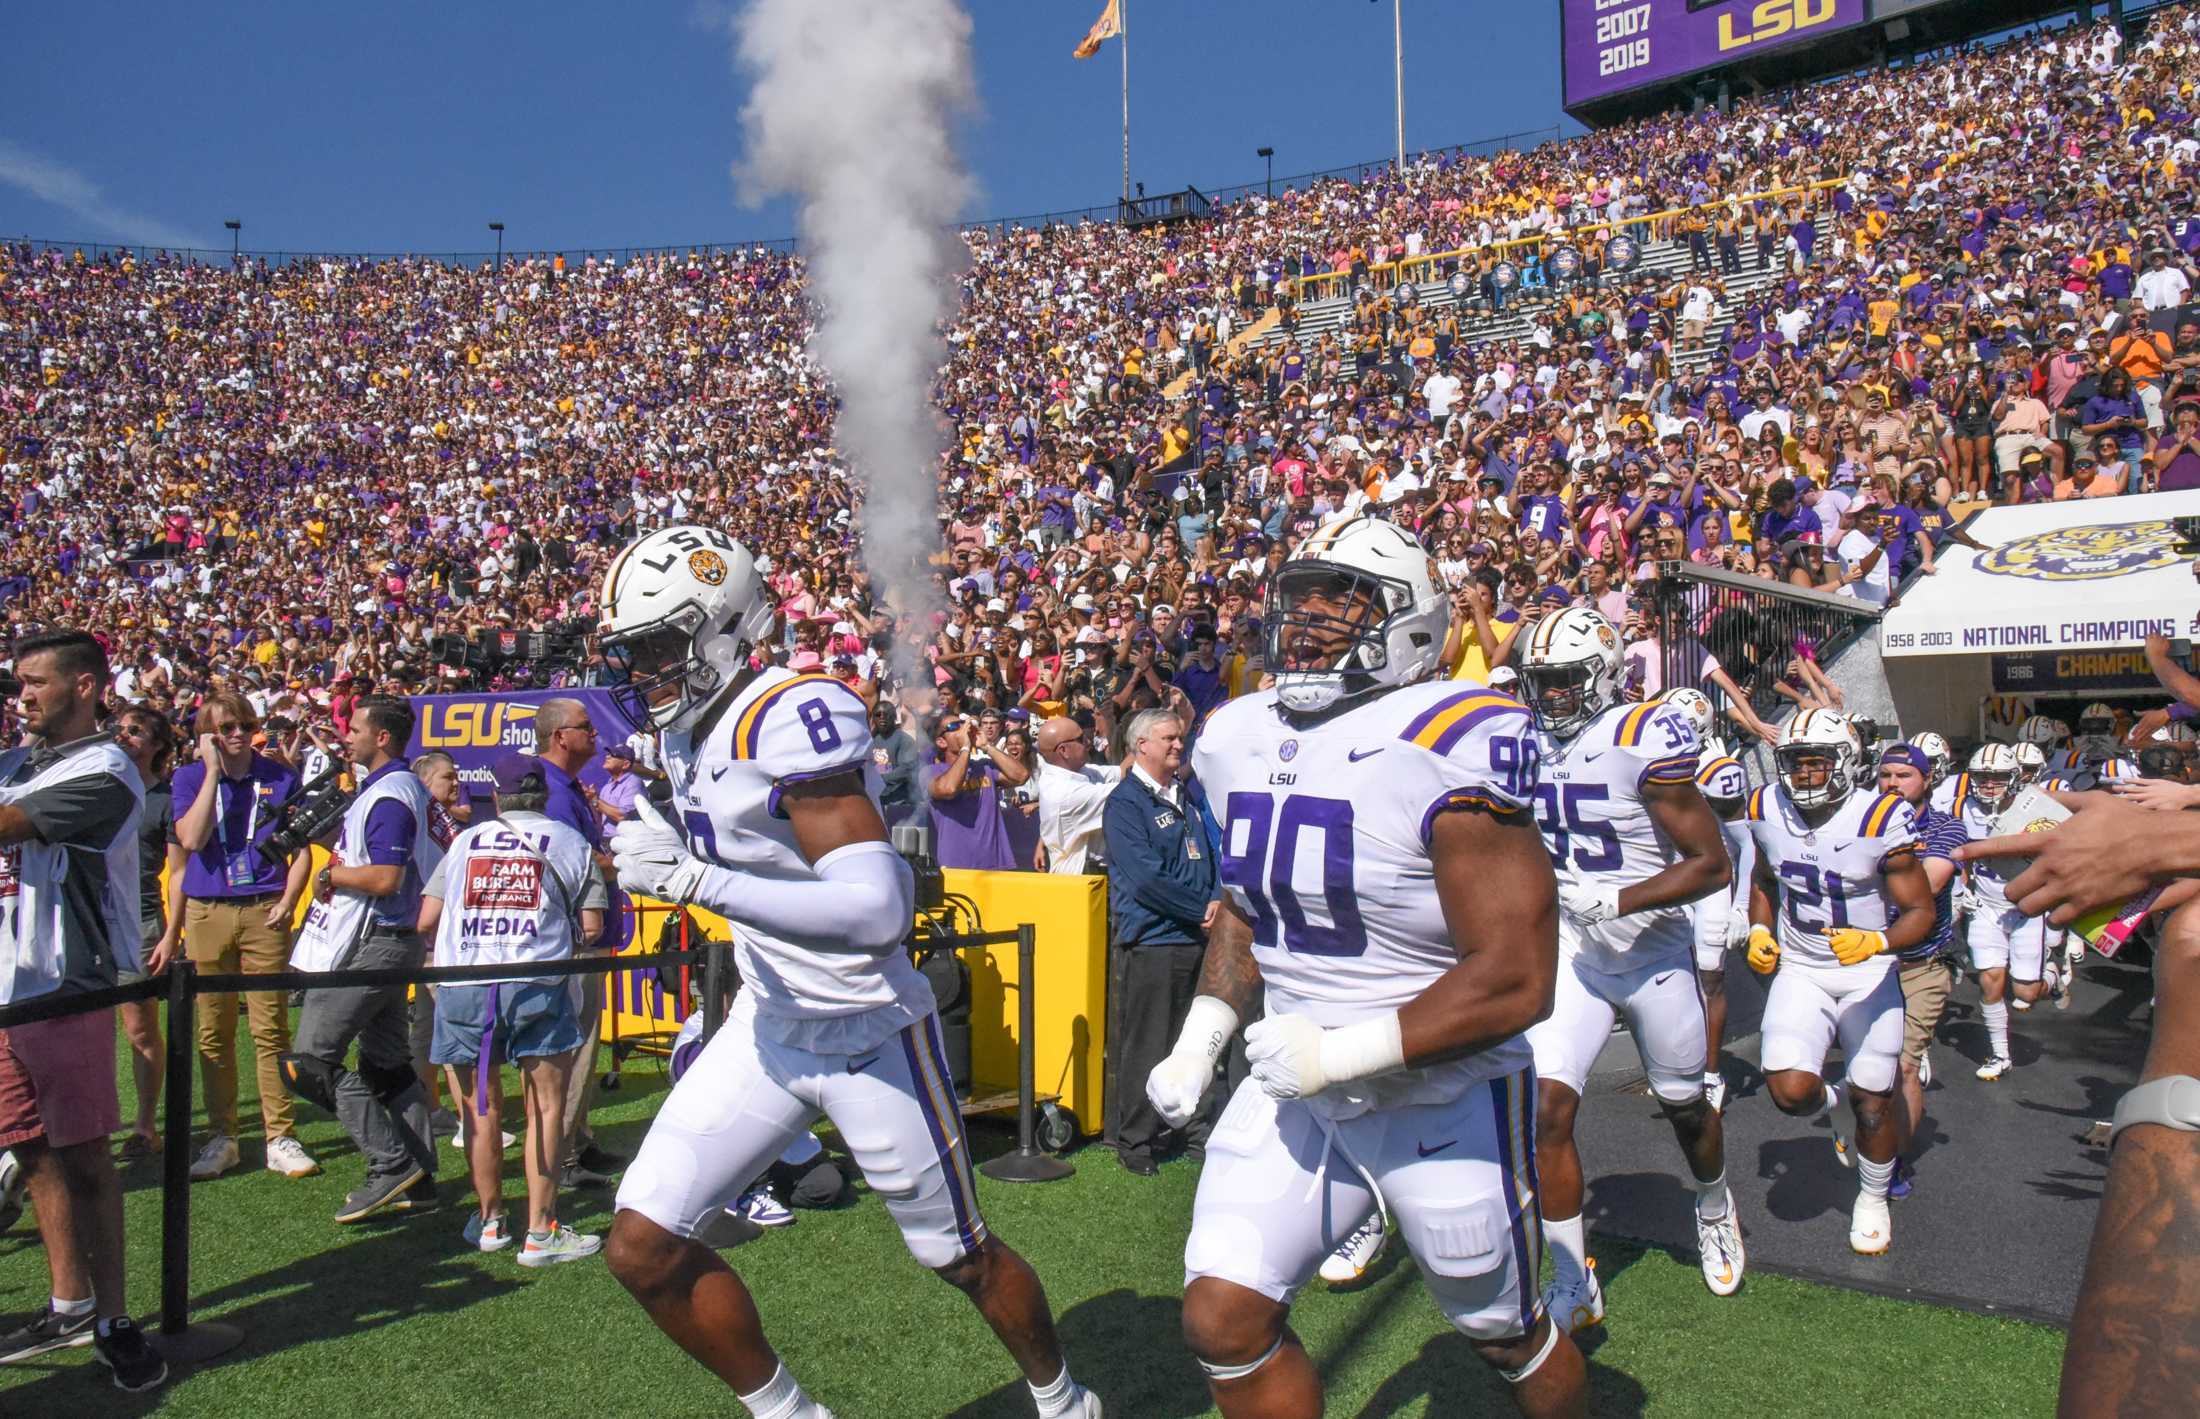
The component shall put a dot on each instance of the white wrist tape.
(864, 899)
(1208, 1025)
(1355, 1051)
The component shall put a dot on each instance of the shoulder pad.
(1443, 724)
(805, 724)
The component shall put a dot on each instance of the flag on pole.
(1108, 26)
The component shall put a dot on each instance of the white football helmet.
(2096, 737)
(2175, 732)
(1357, 609)
(1697, 706)
(1936, 749)
(1812, 739)
(2031, 762)
(1995, 771)
(1571, 669)
(2044, 730)
(685, 607)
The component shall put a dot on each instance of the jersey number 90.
(1266, 870)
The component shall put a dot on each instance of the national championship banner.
(1612, 46)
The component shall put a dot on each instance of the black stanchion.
(1027, 1163)
(178, 1338)
(716, 957)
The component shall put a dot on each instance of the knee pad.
(388, 1082)
(308, 1078)
(1239, 1372)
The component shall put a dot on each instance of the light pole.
(1398, 71)
(498, 228)
(1269, 155)
(236, 229)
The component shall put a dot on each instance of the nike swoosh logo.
(717, 774)
(1355, 755)
(857, 1066)
(1428, 1152)
(1592, 758)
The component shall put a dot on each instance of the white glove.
(1293, 1057)
(644, 749)
(1737, 929)
(653, 859)
(1589, 905)
(1177, 1084)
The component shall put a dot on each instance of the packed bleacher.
(1970, 283)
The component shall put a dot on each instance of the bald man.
(1073, 794)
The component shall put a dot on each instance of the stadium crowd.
(288, 480)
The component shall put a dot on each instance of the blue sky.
(409, 126)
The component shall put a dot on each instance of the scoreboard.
(1614, 46)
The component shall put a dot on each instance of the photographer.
(967, 825)
(231, 907)
(69, 810)
(366, 903)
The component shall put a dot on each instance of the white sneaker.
(2018, 1002)
(1994, 1068)
(760, 1207)
(1086, 1405)
(2059, 990)
(487, 1234)
(562, 1244)
(217, 1157)
(1720, 1244)
(1925, 1069)
(289, 1157)
(1871, 1225)
(458, 1139)
(1714, 1092)
(1350, 1261)
(1576, 1307)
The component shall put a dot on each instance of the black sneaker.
(603, 1160)
(123, 1348)
(378, 1193)
(420, 1197)
(51, 1331)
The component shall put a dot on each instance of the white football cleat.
(1352, 1258)
(1841, 1153)
(760, 1207)
(1720, 1244)
(1714, 1092)
(1871, 1226)
(1085, 1406)
(1994, 1068)
(2018, 1002)
(1576, 1307)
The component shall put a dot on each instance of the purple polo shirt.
(967, 830)
(620, 791)
(568, 805)
(246, 810)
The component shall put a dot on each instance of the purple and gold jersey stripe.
(1880, 814)
(748, 732)
(1710, 768)
(1757, 805)
(1679, 769)
(1632, 725)
(1442, 725)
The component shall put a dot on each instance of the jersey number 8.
(1268, 878)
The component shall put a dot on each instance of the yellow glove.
(1851, 945)
(1764, 950)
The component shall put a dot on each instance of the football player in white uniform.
(1837, 868)
(1721, 920)
(1633, 843)
(778, 830)
(2008, 949)
(1383, 879)
(2052, 738)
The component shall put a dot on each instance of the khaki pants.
(226, 936)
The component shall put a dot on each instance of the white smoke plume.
(852, 113)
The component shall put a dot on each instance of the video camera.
(307, 818)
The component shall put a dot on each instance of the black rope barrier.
(186, 1341)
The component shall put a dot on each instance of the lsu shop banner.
(474, 729)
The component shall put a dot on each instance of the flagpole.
(1123, 42)
(1398, 72)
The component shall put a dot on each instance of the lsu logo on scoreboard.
(1770, 19)
(482, 724)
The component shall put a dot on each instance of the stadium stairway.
(1236, 345)
(1665, 261)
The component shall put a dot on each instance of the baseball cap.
(617, 750)
(514, 772)
(1907, 754)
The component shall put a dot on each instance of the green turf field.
(397, 1318)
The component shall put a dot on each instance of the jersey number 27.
(1266, 870)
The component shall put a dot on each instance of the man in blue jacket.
(1162, 896)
